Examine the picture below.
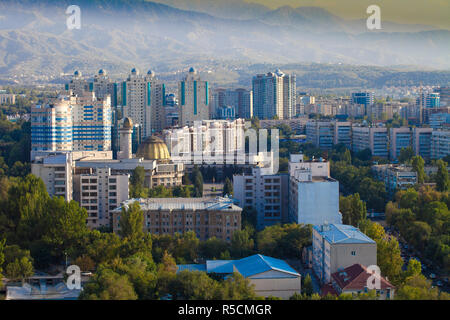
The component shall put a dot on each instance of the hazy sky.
(431, 12)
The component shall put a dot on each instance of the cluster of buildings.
(306, 194)
(383, 142)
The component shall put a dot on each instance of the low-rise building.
(395, 177)
(354, 280)
(269, 276)
(207, 217)
(338, 246)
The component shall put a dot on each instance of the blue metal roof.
(342, 233)
(248, 266)
(191, 267)
(219, 266)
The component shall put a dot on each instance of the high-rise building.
(375, 139)
(143, 98)
(274, 95)
(78, 85)
(193, 99)
(51, 125)
(104, 86)
(399, 138)
(172, 110)
(240, 99)
(421, 142)
(92, 122)
(72, 123)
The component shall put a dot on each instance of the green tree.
(19, 269)
(241, 244)
(307, 287)
(418, 165)
(227, 188)
(442, 181)
(406, 155)
(132, 222)
(108, 285)
(353, 209)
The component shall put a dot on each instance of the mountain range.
(120, 34)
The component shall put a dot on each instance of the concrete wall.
(276, 285)
(318, 202)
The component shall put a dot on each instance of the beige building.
(55, 169)
(207, 217)
(338, 246)
(99, 192)
(143, 101)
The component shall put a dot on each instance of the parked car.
(439, 283)
(432, 276)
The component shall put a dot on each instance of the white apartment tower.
(143, 101)
(193, 97)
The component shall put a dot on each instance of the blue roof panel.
(342, 233)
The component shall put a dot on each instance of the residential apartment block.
(207, 217)
(193, 97)
(313, 194)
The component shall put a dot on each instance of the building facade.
(440, 144)
(193, 97)
(265, 193)
(338, 246)
(375, 139)
(274, 95)
(207, 217)
(143, 98)
(399, 138)
(313, 194)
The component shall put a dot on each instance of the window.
(353, 253)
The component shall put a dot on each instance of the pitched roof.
(342, 233)
(355, 278)
(248, 266)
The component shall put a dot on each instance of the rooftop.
(355, 278)
(341, 233)
(209, 204)
(247, 267)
